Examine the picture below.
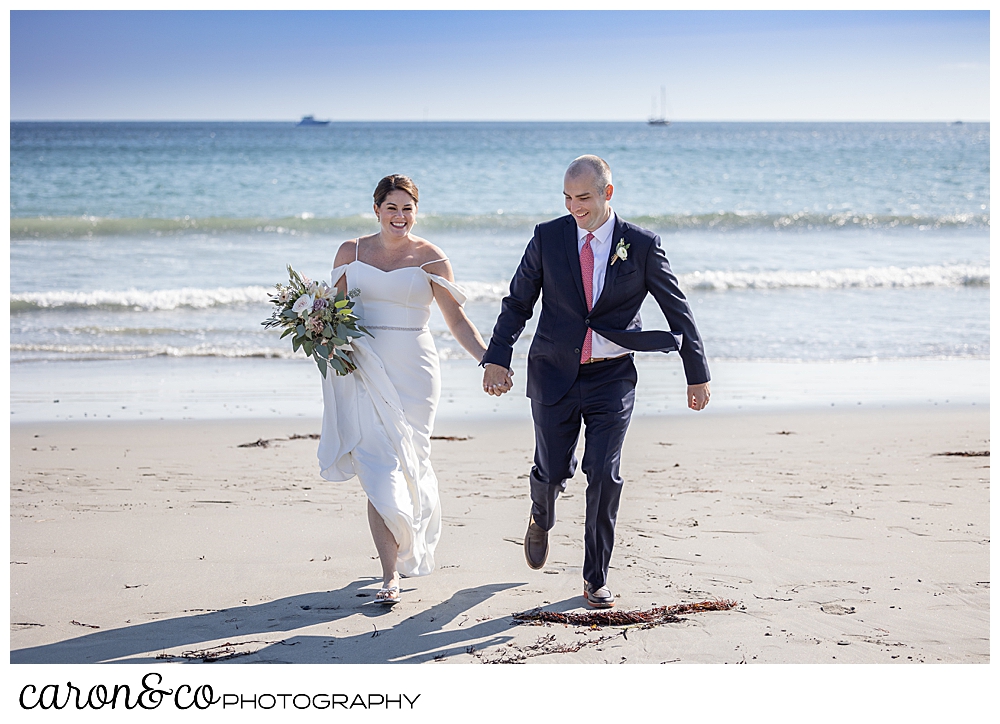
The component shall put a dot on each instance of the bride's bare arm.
(454, 316)
(345, 255)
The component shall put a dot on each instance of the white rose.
(303, 304)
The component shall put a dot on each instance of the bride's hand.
(496, 379)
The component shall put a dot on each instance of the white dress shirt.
(601, 246)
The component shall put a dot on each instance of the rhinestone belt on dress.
(396, 329)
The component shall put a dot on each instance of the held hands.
(698, 396)
(497, 379)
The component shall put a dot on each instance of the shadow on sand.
(421, 637)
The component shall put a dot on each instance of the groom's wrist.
(498, 357)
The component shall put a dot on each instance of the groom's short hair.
(593, 164)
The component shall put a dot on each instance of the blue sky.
(517, 65)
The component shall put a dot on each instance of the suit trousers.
(601, 398)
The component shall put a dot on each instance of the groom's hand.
(698, 396)
(496, 379)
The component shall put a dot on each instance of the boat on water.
(660, 120)
(311, 121)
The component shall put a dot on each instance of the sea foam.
(126, 351)
(959, 275)
(142, 300)
(956, 275)
(86, 227)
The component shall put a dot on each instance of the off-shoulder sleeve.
(337, 273)
(456, 291)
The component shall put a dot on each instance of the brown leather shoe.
(598, 597)
(536, 546)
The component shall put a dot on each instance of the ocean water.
(146, 249)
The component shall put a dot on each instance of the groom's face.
(586, 201)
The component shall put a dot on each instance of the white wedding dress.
(377, 420)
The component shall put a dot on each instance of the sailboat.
(660, 120)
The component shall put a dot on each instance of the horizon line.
(481, 120)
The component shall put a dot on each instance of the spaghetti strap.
(432, 261)
(357, 243)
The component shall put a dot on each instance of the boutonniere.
(621, 251)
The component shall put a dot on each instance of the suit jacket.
(551, 267)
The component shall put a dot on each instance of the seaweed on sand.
(652, 617)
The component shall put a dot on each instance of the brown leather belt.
(602, 359)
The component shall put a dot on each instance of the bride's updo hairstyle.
(395, 182)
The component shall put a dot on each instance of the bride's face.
(397, 214)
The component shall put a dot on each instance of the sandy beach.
(820, 183)
(844, 535)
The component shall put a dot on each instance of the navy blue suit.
(564, 392)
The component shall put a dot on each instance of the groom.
(593, 270)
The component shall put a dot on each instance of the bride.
(377, 421)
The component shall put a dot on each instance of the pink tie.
(587, 270)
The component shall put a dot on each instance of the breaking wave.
(125, 351)
(94, 226)
(956, 275)
(160, 299)
(959, 275)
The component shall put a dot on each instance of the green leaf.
(286, 332)
(308, 346)
(289, 314)
(323, 350)
(300, 329)
(337, 341)
(338, 365)
(327, 331)
(321, 363)
(296, 343)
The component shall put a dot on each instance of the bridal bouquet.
(320, 320)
